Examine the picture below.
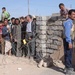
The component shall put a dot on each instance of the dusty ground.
(23, 66)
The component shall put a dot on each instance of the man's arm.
(68, 33)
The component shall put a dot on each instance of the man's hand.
(30, 38)
(70, 46)
(15, 40)
(11, 38)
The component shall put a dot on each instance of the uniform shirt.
(29, 27)
(67, 30)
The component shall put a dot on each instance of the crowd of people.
(16, 31)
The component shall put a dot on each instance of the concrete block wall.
(50, 30)
(50, 39)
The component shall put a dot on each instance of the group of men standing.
(12, 34)
(13, 31)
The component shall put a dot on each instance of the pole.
(70, 6)
(28, 8)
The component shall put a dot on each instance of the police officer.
(68, 46)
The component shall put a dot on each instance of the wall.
(49, 41)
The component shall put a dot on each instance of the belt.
(29, 32)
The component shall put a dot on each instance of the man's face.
(28, 18)
(21, 20)
(72, 16)
(62, 7)
(1, 24)
(3, 10)
(25, 19)
(17, 22)
(6, 22)
(13, 21)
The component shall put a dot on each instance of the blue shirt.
(68, 26)
(6, 34)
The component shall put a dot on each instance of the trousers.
(67, 54)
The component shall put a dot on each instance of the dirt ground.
(11, 65)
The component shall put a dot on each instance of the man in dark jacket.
(23, 27)
(31, 35)
(13, 35)
(23, 33)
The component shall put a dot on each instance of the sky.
(19, 8)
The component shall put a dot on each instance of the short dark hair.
(3, 8)
(70, 11)
(1, 21)
(17, 19)
(61, 4)
(30, 16)
(12, 18)
(34, 19)
(25, 17)
(22, 17)
(5, 19)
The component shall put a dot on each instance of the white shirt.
(29, 27)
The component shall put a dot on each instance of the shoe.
(65, 69)
(70, 71)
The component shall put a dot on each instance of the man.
(34, 32)
(34, 25)
(23, 27)
(17, 37)
(1, 39)
(68, 46)
(12, 24)
(23, 33)
(13, 35)
(25, 18)
(30, 34)
(6, 37)
(63, 10)
(5, 14)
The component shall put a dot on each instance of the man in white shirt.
(29, 35)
